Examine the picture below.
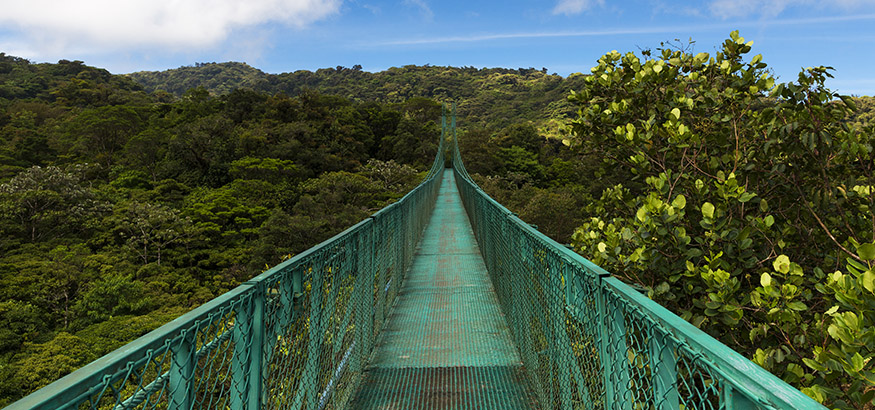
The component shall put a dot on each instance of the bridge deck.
(446, 344)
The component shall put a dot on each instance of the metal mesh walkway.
(431, 324)
(446, 344)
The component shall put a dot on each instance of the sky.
(564, 36)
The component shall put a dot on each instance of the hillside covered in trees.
(488, 97)
(743, 205)
(121, 209)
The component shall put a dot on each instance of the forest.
(121, 209)
(741, 203)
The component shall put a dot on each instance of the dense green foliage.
(120, 210)
(743, 205)
(746, 207)
(488, 97)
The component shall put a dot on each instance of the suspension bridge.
(442, 300)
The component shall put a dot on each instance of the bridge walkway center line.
(446, 344)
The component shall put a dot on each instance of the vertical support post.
(182, 371)
(364, 285)
(613, 349)
(571, 303)
(314, 346)
(561, 349)
(734, 400)
(256, 349)
(663, 368)
(241, 360)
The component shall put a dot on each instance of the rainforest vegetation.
(120, 209)
(744, 204)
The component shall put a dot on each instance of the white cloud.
(52, 27)
(773, 8)
(720, 28)
(743, 8)
(569, 7)
(423, 7)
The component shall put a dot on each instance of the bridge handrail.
(645, 356)
(260, 345)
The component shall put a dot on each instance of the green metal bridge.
(442, 300)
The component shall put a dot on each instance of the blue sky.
(565, 36)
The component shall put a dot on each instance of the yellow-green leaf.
(869, 280)
(679, 202)
(781, 264)
(708, 210)
(676, 113)
(857, 362)
(641, 214)
(866, 251)
(766, 280)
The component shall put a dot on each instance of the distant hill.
(490, 97)
(71, 83)
(218, 79)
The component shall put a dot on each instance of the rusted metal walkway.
(446, 344)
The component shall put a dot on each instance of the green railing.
(297, 336)
(589, 341)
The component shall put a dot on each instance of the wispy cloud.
(772, 8)
(624, 31)
(508, 36)
(58, 27)
(423, 7)
(571, 7)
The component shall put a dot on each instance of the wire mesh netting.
(300, 335)
(588, 341)
(294, 337)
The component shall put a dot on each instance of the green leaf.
(797, 306)
(849, 102)
(857, 362)
(764, 206)
(869, 280)
(766, 279)
(602, 247)
(641, 214)
(814, 364)
(832, 310)
(708, 210)
(679, 202)
(866, 251)
(815, 393)
(676, 113)
(781, 264)
(747, 196)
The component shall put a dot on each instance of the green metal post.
(559, 338)
(241, 360)
(256, 350)
(735, 400)
(663, 367)
(182, 372)
(364, 317)
(564, 341)
(317, 329)
(614, 351)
